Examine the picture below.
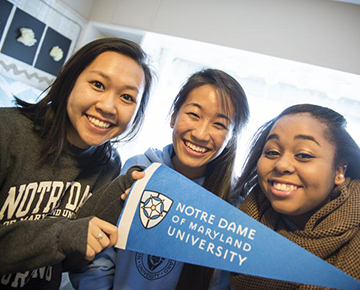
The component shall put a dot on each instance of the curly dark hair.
(347, 151)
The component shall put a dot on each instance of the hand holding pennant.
(168, 215)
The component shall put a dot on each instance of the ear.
(172, 121)
(340, 173)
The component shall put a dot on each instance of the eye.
(271, 153)
(98, 85)
(194, 115)
(304, 156)
(221, 125)
(127, 98)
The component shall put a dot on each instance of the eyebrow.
(105, 76)
(300, 136)
(307, 137)
(219, 115)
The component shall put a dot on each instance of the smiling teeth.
(284, 187)
(98, 123)
(195, 148)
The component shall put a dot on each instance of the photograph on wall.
(53, 52)
(5, 9)
(23, 37)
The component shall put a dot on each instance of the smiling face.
(201, 131)
(104, 100)
(296, 170)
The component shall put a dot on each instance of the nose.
(201, 132)
(284, 165)
(106, 104)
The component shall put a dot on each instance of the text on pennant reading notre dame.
(212, 239)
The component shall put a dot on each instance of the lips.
(284, 186)
(196, 148)
(98, 123)
(283, 189)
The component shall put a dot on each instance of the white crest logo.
(153, 208)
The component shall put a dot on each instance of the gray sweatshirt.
(42, 229)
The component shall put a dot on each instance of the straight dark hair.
(50, 114)
(219, 172)
(346, 149)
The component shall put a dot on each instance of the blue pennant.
(169, 216)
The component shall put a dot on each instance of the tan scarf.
(332, 233)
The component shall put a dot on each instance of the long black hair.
(219, 172)
(346, 149)
(50, 114)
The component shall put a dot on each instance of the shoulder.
(14, 123)
(140, 159)
(150, 156)
(115, 159)
(13, 115)
(113, 166)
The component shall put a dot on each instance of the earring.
(341, 176)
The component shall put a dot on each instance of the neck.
(300, 220)
(189, 172)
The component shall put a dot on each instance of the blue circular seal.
(153, 267)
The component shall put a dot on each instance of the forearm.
(28, 245)
(106, 203)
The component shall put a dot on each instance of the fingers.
(113, 238)
(125, 194)
(101, 234)
(136, 175)
(93, 246)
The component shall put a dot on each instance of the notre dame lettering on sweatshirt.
(40, 235)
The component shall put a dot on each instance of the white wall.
(319, 32)
(83, 7)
